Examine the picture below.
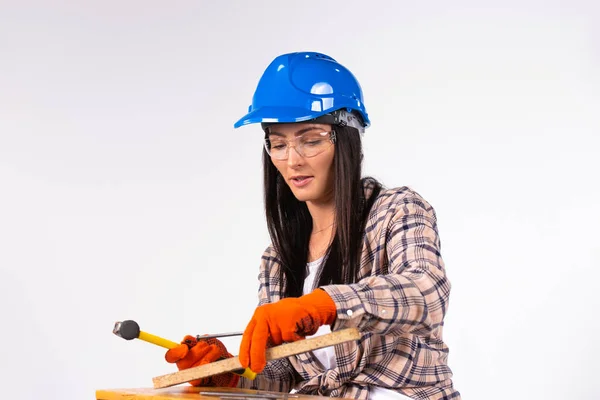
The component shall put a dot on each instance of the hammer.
(130, 330)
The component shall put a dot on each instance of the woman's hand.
(287, 320)
(193, 352)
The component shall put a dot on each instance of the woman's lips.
(301, 181)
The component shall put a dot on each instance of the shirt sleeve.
(278, 375)
(412, 296)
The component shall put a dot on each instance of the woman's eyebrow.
(300, 132)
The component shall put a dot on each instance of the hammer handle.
(157, 340)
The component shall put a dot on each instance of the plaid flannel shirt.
(398, 304)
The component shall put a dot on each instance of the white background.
(125, 192)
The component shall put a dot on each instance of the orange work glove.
(287, 320)
(192, 353)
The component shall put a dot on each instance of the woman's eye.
(313, 142)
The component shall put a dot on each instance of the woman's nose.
(294, 157)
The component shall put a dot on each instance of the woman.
(345, 252)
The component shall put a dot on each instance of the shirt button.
(349, 312)
(383, 311)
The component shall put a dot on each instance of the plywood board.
(274, 353)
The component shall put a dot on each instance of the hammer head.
(128, 330)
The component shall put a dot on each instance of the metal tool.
(218, 335)
(258, 395)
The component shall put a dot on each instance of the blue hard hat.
(304, 86)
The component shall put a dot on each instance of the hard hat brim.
(278, 115)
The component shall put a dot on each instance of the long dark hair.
(290, 223)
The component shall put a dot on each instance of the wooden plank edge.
(274, 353)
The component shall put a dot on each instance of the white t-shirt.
(327, 355)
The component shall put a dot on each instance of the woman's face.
(309, 177)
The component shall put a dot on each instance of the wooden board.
(274, 353)
(195, 393)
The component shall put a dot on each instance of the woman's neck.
(323, 215)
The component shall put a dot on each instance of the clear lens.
(308, 145)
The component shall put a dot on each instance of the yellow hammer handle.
(246, 373)
(157, 340)
(167, 344)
